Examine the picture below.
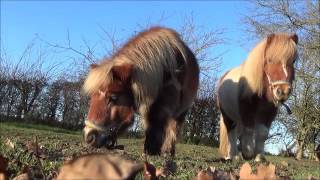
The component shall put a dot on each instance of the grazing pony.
(250, 94)
(155, 75)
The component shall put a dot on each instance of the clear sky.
(20, 21)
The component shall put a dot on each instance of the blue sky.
(20, 21)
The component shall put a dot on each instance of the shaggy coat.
(160, 74)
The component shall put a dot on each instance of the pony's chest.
(257, 110)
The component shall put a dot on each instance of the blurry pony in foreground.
(249, 95)
(155, 75)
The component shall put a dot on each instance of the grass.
(59, 145)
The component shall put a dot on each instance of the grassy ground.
(58, 145)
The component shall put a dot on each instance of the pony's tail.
(223, 147)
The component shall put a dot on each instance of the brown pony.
(249, 95)
(155, 75)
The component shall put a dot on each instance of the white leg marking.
(260, 137)
(232, 147)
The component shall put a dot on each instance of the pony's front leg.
(161, 132)
(247, 144)
(170, 137)
(261, 135)
(161, 137)
(153, 139)
(233, 149)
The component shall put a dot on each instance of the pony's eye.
(113, 98)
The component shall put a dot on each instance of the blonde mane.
(98, 77)
(152, 53)
(281, 48)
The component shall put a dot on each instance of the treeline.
(29, 92)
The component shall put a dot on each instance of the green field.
(58, 145)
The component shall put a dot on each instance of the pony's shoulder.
(233, 74)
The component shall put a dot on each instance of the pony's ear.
(295, 38)
(122, 72)
(92, 66)
(269, 38)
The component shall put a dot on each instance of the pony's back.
(156, 53)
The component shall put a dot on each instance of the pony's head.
(269, 69)
(111, 105)
(279, 57)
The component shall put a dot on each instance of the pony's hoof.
(237, 158)
(169, 167)
(233, 158)
(260, 158)
(247, 154)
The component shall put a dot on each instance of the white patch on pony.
(284, 67)
(260, 158)
(269, 79)
(275, 101)
(102, 94)
(87, 129)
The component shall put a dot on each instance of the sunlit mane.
(281, 49)
(98, 78)
(152, 52)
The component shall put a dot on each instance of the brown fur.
(244, 94)
(277, 48)
(158, 76)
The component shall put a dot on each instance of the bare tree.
(29, 78)
(201, 124)
(23, 80)
(202, 41)
(301, 17)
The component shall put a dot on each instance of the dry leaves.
(151, 172)
(214, 174)
(9, 143)
(23, 176)
(100, 166)
(263, 172)
(107, 166)
(34, 148)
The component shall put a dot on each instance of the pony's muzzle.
(94, 138)
(97, 139)
(91, 137)
(282, 92)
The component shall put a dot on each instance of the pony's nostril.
(92, 138)
(279, 92)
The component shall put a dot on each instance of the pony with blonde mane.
(155, 75)
(249, 95)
